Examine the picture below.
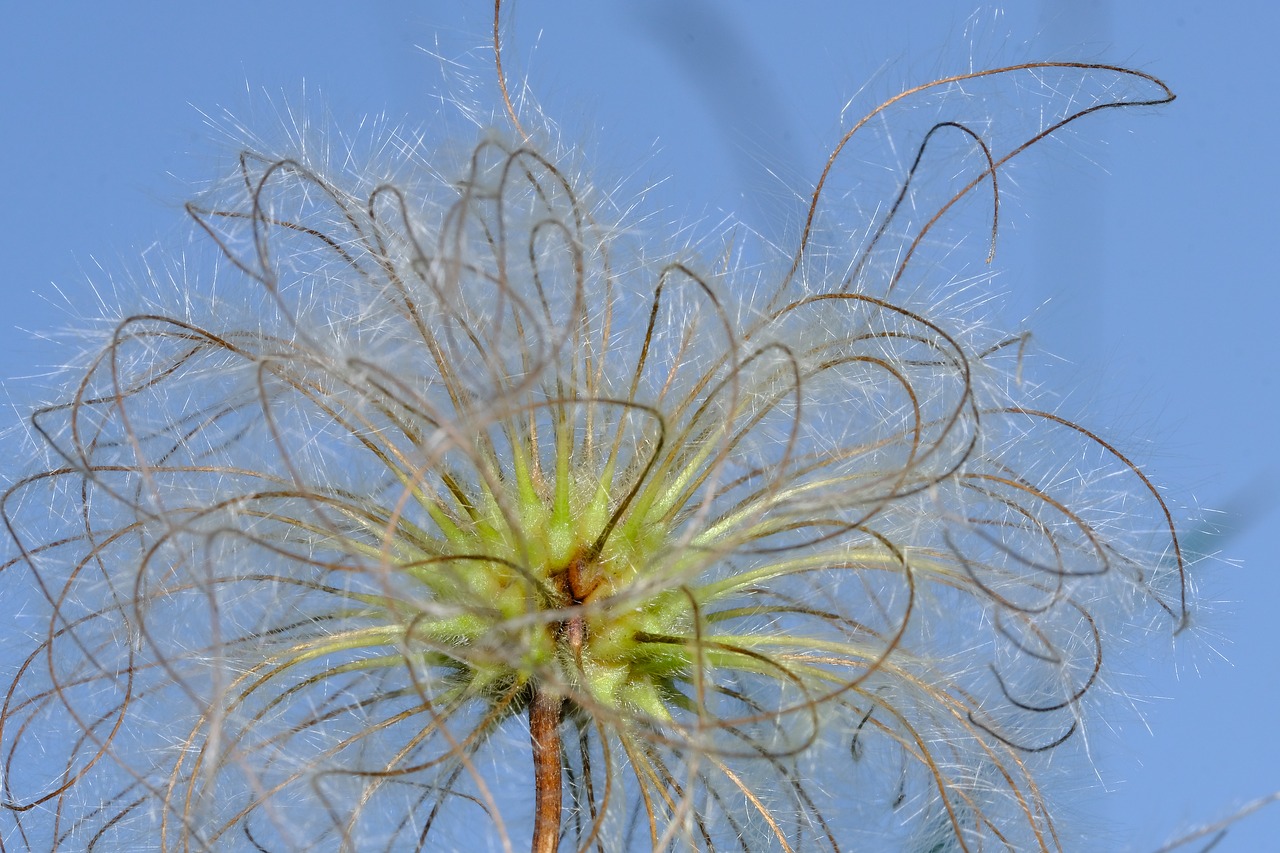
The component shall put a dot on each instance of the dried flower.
(481, 521)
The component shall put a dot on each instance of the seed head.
(475, 518)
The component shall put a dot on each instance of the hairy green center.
(548, 583)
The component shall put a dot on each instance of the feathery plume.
(481, 521)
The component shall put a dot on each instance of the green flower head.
(451, 512)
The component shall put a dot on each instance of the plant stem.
(545, 713)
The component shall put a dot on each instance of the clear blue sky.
(1139, 251)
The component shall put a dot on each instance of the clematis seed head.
(477, 520)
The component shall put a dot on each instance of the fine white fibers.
(480, 516)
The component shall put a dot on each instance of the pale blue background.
(1152, 233)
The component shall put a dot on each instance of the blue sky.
(1138, 249)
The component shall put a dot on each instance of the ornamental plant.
(451, 510)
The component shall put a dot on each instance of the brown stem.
(545, 712)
